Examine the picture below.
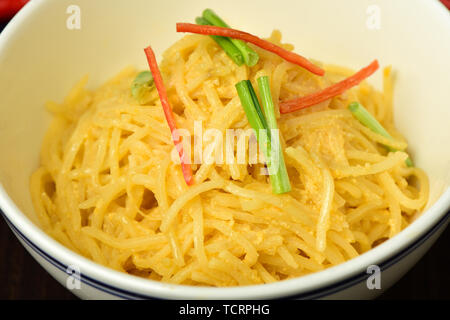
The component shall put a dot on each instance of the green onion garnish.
(142, 86)
(277, 169)
(370, 122)
(251, 110)
(250, 56)
(281, 183)
(256, 104)
(225, 43)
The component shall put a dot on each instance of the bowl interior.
(41, 59)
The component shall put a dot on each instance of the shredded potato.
(108, 189)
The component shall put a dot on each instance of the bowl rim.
(136, 287)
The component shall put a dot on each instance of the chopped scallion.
(225, 43)
(256, 104)
(277, 169)
(142, 86)
(247, 102)
(281, 183)
(250, 56)
(370, 122)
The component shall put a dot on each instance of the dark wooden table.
(21, 277)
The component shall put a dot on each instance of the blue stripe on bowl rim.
(313, 294)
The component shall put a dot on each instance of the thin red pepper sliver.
(247, 37)
(329, 92)
(185, 167)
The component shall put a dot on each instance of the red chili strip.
(329, 92)
(247, 37)
(185, 166)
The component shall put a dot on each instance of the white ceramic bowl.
(40, 59)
